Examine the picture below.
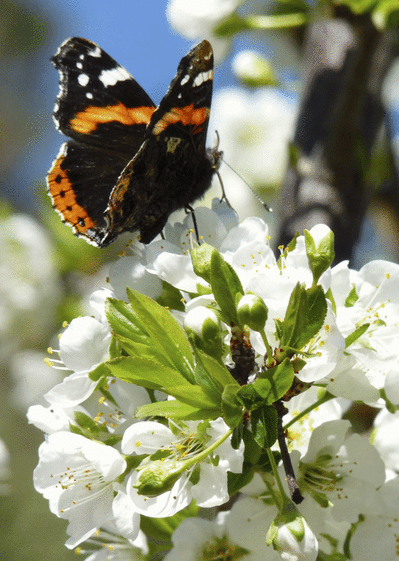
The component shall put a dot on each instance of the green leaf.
(316, 314)
(280, 379)
(195, 396)
(225, 285)
(264, 426)
(164, 331)
(123, 321)
(231, 407)
(147, 373)
(250, 397)
(213, 375)
(87, 427)
(171, 297)
(176, 410)
(252, 451)
(356, 334)
(114, 348)
(236, 481)
(146, 329)
(295, 317)
(271, 385)
(305, 315)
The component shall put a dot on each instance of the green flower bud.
(291, 536)
(319, 249)
(204, 330)
(252, 311)
(158, 477)
(201, 259)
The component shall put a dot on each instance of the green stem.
(276, 475)
(326, 397)
(278, 21)
(202, 455)
(268, 347)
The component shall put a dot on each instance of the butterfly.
(128, 164)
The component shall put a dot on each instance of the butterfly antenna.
(265, 205)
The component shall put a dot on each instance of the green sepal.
(356, 334)
(87, 427)
(100, 371)
(321, 256)
(352, 298)
(330, 297)
(287, 249)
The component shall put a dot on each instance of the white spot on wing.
(184, 80)
(79, 65)
(81, 57)
(95, 52)
(114, 75)
(203, 77)
(83, 79)
(89, 95)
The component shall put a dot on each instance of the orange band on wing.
(87, 121)
(186, 116)
(64, 199)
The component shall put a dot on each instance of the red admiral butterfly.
(128, 165)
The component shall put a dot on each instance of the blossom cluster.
(171, 404)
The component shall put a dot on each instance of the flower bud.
(252, 311)
(158, 477)
(319, 249)
(203, 328)
(291, 536)
(253, 69)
